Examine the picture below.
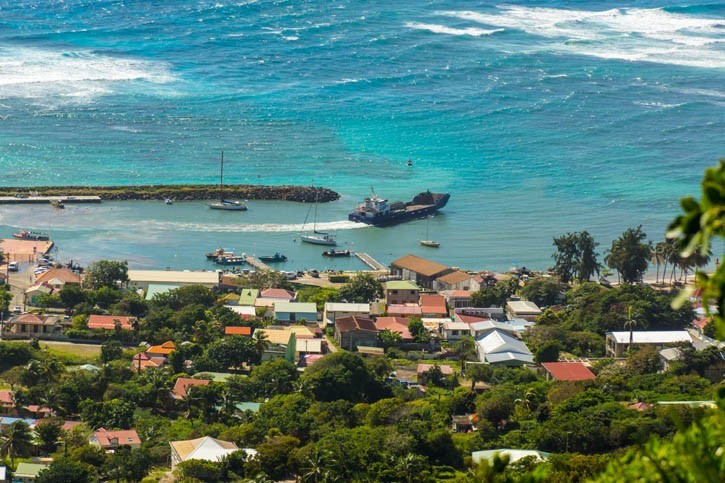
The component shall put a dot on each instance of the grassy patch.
(72, 353)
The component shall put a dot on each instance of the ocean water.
(539, 117)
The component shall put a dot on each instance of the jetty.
(371, 262)
(256, 263)
(17, 200)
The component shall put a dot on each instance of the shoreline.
(182, 192)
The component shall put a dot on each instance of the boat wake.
(235, 228)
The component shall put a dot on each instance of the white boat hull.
(228, 206)
(430, 243)
(319, 240)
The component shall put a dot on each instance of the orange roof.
(108, 322)
(461, 294)
(395, 324)
(6, 397)
(111, 439)
(277, 293)
(446, 370)
(569, 371)
(433, 304)
(229, 330)
(401, 309)
(420, 265)
(182, 385)
(68, 276)
(455, 277)
(165, 349)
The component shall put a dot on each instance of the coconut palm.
(16, 440)
(630, 324)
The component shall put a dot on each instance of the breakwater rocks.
(302, 194)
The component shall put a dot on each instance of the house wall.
(295, 316)
(402, 296)
(351, 340)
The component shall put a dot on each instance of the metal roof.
(652, 337)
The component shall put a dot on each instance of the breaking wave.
(441, 29)
(264, 227)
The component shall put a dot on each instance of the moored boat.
(277, 257)
(231, 260)
(223, 204)
(430, 243)
(57, 204)
(31, 235)
(375, 210)
(336, 253)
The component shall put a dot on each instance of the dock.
(17, 200)
(371, 262)
(257, 263)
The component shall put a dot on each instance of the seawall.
(304, 194)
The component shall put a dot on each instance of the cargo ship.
(377, 211)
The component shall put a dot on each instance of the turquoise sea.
(539, 117)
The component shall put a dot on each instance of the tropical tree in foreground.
(575, 257)
(702, 225)
(16, 440)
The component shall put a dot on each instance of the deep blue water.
(538, 117)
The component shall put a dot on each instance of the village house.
(143, 361)
(333, 310)
(278, 294)
(399, 292)
(281, 339)
(35, 324)
(59, 278)
(28, 472)
(245, 312)
(481, 328)
(454, 331)
(433, 306)
(295, 311)
(457, 280)
(395, 324)
(109, 322)
(482, 313)
(183, 385)
(458, 299)
(111, 440)
(404, 310)
(141, 279)
(522, 309)
(503, 349)
(354, 331)
(162, 350)
(423, 369)
(36, 291)
(567, 371)
(617, 343)
(7, 401)
(419, 270)
(206, 448)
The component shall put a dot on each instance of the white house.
(522, 309)
(141, 279)
(206, 448)
(501, 348)
(295, 311)
(333, 310)
(617, 343)
(452, 331)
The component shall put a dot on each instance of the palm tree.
(16, 440)
(630, 323)
(261, 344)
(316, 466)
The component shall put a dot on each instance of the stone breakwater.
(303, 194)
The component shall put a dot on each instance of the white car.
(17, 309)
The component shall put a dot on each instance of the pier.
(16, 200)
(257, 263)
(371, 262)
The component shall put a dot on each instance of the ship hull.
(400, 216)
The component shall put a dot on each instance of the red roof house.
(7, 401)
(446, 370)
(405, 310)
(110, 440)
(568, 371)
(433, 306)
(395, 324)
(182, 385)
(277, 293)
(108, 322)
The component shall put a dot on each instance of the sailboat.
(428, 242)
(317, 237)
(223, 204)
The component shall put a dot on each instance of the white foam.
(35, 73)
(635, 34)
(265, 227)
(442, 29)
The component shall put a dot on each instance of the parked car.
(17, 309)
(13, 266)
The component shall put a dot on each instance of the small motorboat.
(217, 253)
(57, 204)
(276, 258)
(169, 201)
(231, 260)
(336, 253)
(31, 235)
(409, 163)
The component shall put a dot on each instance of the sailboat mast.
(221, 179)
